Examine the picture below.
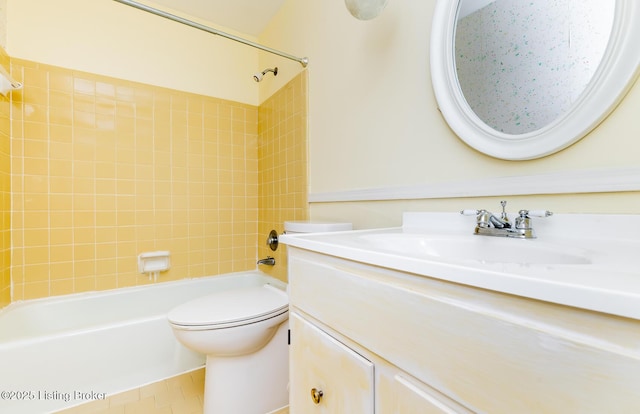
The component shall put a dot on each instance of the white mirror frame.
(614, 77)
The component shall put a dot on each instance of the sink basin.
(483, 249)
(587, 261)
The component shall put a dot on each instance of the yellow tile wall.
(5, 192)
(282, 159)
(104, 169)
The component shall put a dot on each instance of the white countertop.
(609, 282)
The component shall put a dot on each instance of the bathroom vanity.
(378, 330)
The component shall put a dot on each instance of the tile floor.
(182, 394)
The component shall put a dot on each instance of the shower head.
(258, 76)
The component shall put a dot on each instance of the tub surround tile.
(100, 169)
(282, 176)
(5, 192)
(105, 163)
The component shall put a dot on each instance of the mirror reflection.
(522, 64)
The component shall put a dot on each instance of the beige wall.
(108, 38)
(3, 23)
(373, 119)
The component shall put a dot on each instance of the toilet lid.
(242, 305)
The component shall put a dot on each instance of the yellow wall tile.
(61, 287)
(97, 172)
(35, 290)
(106, 168)
(5, 193)
(36, 237)
(282, 171)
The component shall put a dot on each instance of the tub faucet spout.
(269, 261)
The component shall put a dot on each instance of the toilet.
(244, 334)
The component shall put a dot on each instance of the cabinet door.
(321, 364)
(400, 394)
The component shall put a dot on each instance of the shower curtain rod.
(303, 61)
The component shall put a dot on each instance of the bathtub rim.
(108, 292)
(88, 295)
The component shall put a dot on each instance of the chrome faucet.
(269, 261)
(488, 224)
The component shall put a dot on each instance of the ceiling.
(246, 16)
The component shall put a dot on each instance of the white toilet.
(244, 334)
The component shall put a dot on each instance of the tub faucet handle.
(272, 240)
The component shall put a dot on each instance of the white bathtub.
(63, 351)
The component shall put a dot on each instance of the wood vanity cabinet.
(331, 377)
(370, 340)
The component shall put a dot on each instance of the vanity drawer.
(400, 394)
(491, 352)
(329, 376)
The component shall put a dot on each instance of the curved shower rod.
(303, 61)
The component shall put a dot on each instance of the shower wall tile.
(282, 172)
(103, 169)
(5, 193)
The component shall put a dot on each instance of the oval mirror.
(521, 80)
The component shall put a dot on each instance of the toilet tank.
(294, 227)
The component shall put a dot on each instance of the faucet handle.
(524, 219)
(483, 217)
(539, 213)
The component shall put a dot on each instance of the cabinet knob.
(316, 395)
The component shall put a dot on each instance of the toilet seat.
(226, 309)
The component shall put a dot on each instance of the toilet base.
(256, 383)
